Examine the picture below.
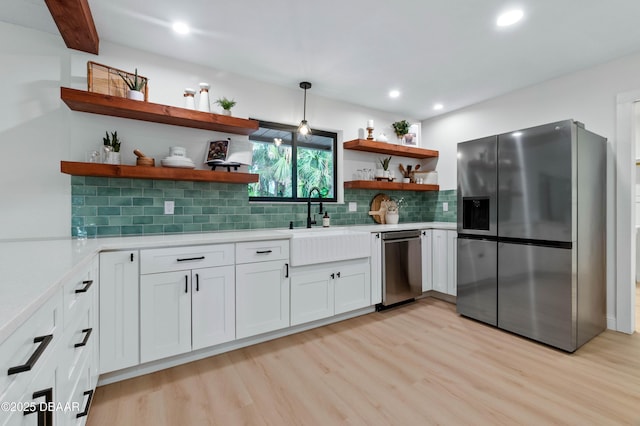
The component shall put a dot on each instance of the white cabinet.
(165, 315)
(188, 309)
(213, 298)
(312, 293)
(262, 287)
(51, 351)
(439, 257)
(376, 268)
(185, 310)
(262, 297)
(426, 242)
(119, 310)
(440, 253)
(452, 261)
(327, 289)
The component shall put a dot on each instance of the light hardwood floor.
(417, 365)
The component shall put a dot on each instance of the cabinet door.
(352, 286)
(439, 256)
(213, 315)
(312, 293)
(452, 248)
(426, 240)
(165, 315)
(376, 268)
(262, 297)
(119, 310)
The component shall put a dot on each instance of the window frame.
(295, 143)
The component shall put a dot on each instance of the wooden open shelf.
(389, 186)
(159, 173)
(389, 149)
(98, 103)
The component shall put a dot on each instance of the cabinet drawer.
(78, 343)
(78, 291)
(28, 347)
(261, 251)
(182, 258)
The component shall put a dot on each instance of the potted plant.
(111, 148)
(393, 210)
(384, 162)
(226, 105)
(401, 128)
(135, 84)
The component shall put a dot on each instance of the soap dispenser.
(326, 220)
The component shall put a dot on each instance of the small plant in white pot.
(135, 85)
(111, 148)
(226, 105)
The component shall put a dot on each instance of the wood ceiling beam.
(75, 23)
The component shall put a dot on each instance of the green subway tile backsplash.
(107, 207)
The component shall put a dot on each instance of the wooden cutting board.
(378, 210)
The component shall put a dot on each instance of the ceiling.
(432, 51)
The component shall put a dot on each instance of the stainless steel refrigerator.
(531, 233)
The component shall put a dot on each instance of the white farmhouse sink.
(320, 245)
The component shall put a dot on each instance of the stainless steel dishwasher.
(401, 267)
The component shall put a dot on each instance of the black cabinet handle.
(31, 362)
(286, 275)
(187, 259)
(264, 251)
(197, 282)
(86, 407)
(377, 235)
(44, 417)
(87, 332)
(86, 284)
(186, 284)
(132, 257)
(338, 274)
(333, 276)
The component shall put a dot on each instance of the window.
(290, 165)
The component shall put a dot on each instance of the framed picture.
(413, 137)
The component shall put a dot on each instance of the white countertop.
(33, 270)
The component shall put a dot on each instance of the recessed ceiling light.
(438, 107)
(181, 28)
(394, 93)
(509, 18)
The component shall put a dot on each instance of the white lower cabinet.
(439, 257)
(321, 291)
(213, 316)
(182, 311)
(262, 297)
(376, 268)
(452, 262)
(119, 310)
(426, 242)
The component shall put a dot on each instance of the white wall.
(589, 96)
(37, 130)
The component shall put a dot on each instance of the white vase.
(391, 218)
(203, 102)
(113, 158)
(226, 112)
(136, 95)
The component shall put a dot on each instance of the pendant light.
(304, 128)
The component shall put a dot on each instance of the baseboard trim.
(153, 366)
